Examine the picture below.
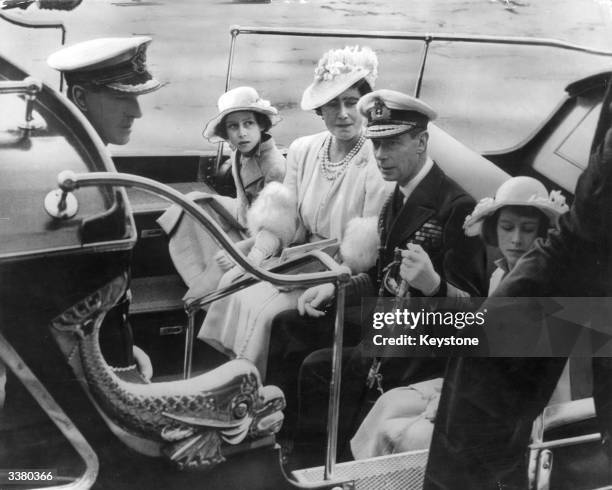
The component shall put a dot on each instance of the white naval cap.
(118, 63)
(389, 112)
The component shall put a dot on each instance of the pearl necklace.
(332, 170)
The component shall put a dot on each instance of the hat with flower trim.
(337, 71)
(517, 191)
(118, 63)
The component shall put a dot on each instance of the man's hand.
(418, 271)
(314, 297)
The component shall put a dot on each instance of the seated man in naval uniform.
(104, 79)
(423, 218)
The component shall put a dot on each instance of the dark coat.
(433, 216)
(487, 406)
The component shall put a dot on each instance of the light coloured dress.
(240, 324)
(402, 419)
(192, 248)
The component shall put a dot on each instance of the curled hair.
(489, 224)
(362, 86)
(263, 122)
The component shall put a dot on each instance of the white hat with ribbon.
(239, 99)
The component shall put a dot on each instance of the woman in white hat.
(331, 178)
(402, 419)
(244, 121)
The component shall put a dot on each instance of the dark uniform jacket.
(433, 217)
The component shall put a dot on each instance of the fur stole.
(274, 210)
(359, 247)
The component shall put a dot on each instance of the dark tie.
(398, 203)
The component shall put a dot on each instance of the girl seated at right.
(402, 419)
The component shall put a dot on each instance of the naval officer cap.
(118, 63)
(389, 112)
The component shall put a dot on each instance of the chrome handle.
(28, 85)
(30, 88)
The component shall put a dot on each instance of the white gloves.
(143, 363)
(314, 297)
(265, 246)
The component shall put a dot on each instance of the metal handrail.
(35, 24)
(426, 38)
(10, 357)
(30, 88)
(568, 441)
(413, 36)
(192, 306)
(203, 301)
(38, 24)
(69, 181)
(228, 76)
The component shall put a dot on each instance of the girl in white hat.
(402, 419)
(332, 177)
(244, 121)
(521, 211)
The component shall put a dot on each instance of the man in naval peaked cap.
(391, 113)
(422, 219)
(104, 78)
(424, 215)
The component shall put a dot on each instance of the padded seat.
(462, 164)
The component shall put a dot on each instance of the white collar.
(416, 180)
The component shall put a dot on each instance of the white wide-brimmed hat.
(517, 191)
(338, 70)
(239, 99)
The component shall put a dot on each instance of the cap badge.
(380, 111)
(139, 60)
